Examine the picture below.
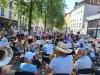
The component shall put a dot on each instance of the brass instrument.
(6, 54)
(54, 55)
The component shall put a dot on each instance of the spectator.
(27, 66)
(10, 32)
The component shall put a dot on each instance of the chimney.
(76, 3)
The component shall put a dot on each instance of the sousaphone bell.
(6, 54)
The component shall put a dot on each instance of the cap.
(29, 55)
(30, 37)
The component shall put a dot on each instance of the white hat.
(29, 55)
(30, 37)
(64, 48)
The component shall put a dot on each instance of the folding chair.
(24, 73)
(16, 54)
(86, 71)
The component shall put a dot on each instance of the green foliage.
(52, 9)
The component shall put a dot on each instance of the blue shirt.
(28, 68)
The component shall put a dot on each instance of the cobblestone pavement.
(12, 68)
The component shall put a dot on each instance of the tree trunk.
(45, 22)
(30, 16)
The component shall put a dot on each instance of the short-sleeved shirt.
(28, 68)
(4, 42)
(84, 62)
(61, 65)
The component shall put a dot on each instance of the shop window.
(99, 23)
(2, 12)
(92, 24)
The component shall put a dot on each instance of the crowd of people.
(65, 46)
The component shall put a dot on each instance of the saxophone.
(54, 55)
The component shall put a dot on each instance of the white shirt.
(86, 45)
(92, 53)
(69, 45)
(15, 33)
(61, 65)
(38, 33)
(4, 42)
(59, 43)
(48, 48)
(84, 62)
(26, 33)
(43, 42)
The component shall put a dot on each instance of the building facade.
(67, 20)
(79, 14)
(93, 25)
(8, 16)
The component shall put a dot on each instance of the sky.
(70, 4)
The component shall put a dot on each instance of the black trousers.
(46, 59)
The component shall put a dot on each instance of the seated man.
(83, 62)
(27, 66)
(19, 45)
(4, 40)
(63, 63)
(3, 70)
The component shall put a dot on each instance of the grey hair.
(83, 50)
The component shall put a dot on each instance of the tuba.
(6, 54)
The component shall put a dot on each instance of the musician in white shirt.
(4, 41)
(63, 63)
(83, 62)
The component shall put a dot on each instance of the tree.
(51, 11)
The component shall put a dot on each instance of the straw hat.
(64, 48)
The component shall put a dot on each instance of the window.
(10, 14)
(77, 25)
(10, 4)
(71, 25)
(80, 25)
(2, 12)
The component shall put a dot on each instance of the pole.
(30, 16)
(96, 27)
